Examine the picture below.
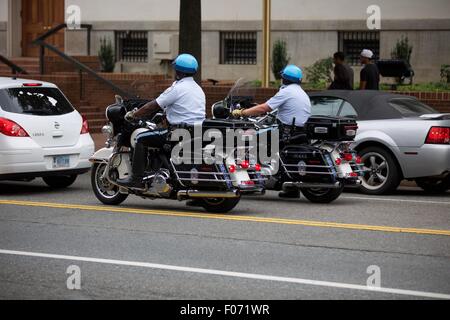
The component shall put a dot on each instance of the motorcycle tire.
(108, 195)
(219, 205)
(322, 195)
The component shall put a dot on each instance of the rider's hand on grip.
(238, 113)
(130, 115)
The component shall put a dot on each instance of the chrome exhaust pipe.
(290, 185)
(195, 194)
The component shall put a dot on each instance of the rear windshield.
(34, 101)
(411, 107)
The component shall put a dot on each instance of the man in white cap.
(370, 75)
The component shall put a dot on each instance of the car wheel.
(103, 190)
(382, 175)
(60, 182)
(434, 186)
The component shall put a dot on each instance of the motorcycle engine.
(160, 183)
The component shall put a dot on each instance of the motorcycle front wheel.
(220, 205)
(103, 190)
(320, 195)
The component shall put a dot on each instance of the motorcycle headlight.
(108, 131)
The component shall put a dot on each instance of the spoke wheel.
(382, 174)
(103, 189)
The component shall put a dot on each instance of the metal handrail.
(40, 41)
(14, 67)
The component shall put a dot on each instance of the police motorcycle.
(318, 161)
(217, 187)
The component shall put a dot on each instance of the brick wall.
(94, 93)
(56, 64)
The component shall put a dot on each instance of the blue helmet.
(292, 73)
(186, 63)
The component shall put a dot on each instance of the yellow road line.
(308, 223)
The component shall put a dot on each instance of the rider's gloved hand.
(238, 113)
(130, 115)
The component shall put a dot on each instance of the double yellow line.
(306, 223)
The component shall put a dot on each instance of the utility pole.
(191, 31)
(267, 10)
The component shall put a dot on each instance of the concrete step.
(31, 65)
(94, 115)
(90, 109)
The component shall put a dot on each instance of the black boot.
(135, 180)
(291, 193)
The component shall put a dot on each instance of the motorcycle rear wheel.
(219, 205)
(321, 195)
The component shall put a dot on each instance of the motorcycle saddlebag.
(331, 128)
(308, 164)
(207, 177)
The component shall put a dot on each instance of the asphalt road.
(267, 248)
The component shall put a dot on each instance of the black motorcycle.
(218, 186)
(317, 160)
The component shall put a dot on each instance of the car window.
(325, 106)
(34, 101)
(347, 110)
(410, 107)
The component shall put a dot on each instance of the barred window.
(238, 47)
(132, 46)
(353, 42)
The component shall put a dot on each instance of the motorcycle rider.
(293, 105)
(184, 103)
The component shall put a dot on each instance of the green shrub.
(106, 55)
(279, 58)
(445, 73)
(319, 74)
(402, 51)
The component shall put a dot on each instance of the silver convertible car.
(398, 138)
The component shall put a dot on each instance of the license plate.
(61, 162)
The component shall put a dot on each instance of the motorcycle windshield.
(242, 94)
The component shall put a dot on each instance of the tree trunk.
(191, 31)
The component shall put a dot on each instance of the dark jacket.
(343, 78)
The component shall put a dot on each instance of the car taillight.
(257, 167)
(11, 129)
(32, 84)
(358, 160)
(338, 161)
(438, 135)
(232, 168)
(85, 126)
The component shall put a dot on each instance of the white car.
(41, 134)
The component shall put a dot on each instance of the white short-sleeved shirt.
(291, 102)
(184, 102)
